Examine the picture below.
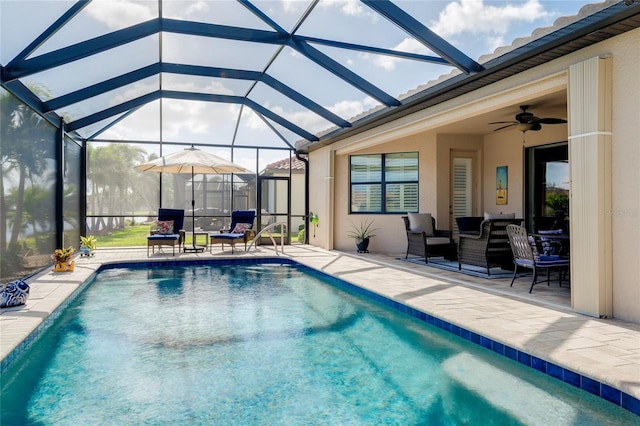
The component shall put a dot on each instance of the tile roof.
(283, 164)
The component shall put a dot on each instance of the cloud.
(475, 17)
(186, 116)
(488, 24)
(291, 6)
(348, 7)
(352, 108)
(410, 45)
(195, 8)
(304, 118)
(197, 118)
(252, 120)
(183, 120)
(121, 13)
(309, 120)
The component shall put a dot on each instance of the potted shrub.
(62, 259)
(362, 232)
(87, 245)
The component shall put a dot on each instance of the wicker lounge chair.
(525, 255)
(428, 244)
(241, 230)
(489, 247)
(469, 224)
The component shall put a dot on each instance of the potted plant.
(87, 245)
(362, 232)
(62, 259)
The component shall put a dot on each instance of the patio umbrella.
(195, 161)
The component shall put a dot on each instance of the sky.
(475, 27)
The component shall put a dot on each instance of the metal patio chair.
(525, 256)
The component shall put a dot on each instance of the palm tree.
(38, 211)
(27, 144)
(112, 181)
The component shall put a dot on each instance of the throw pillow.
(164, 227)
(550, 246)
(421, 222)
(551, 232)
(489, 216)
(534, 247)
(13, 294)
(240, 228)
(469, 224)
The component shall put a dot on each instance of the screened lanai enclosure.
(90, 89)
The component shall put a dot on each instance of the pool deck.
(540, 324)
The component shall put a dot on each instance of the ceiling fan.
(526, 121)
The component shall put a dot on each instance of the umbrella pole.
(193, 216)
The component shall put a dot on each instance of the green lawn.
(136, 235)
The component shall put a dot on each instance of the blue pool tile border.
(604, 391)
(43, 326)
(197, 262)
(588, 384)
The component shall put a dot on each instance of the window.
(384, 183)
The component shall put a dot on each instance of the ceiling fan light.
(524, 127)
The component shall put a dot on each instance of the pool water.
(268, 344)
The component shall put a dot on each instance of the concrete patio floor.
(541, 324)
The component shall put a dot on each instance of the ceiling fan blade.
(504, 127)
(551, 121)
(526, 120)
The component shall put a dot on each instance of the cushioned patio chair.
(469, 224)
(488, 247)
(525, 255)
(241, 230)
(168, 230)
(557, 228)
(424, 240)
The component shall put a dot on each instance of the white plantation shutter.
(462, 196)
(402, 197)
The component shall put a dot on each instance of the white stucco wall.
(625, 169)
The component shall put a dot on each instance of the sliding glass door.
(547, 184)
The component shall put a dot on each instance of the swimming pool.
(268, 344)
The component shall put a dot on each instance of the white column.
(589, 107)
(322, 196)
(329, 211)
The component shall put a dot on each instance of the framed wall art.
(502, 182)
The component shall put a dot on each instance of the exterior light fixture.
(524, 127)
